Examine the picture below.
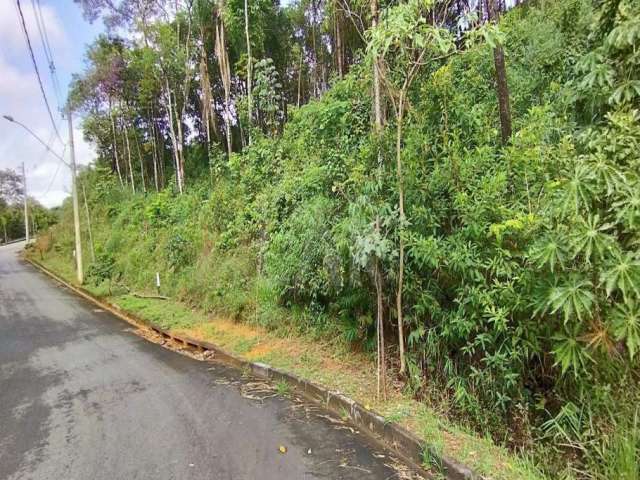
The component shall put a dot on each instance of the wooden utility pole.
(74, 194)
(26, 209)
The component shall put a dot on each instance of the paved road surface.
(83, 398)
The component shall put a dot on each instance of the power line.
(44, 29)
(55, 174)
(60, 163)
(46, 47)
(53, 179)
(35, 66)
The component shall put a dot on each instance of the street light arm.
(13, 120)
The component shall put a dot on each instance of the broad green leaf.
(626, 324)
(574, 298)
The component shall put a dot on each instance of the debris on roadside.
(258, 391)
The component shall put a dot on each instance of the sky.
(48, 181)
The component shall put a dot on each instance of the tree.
(3, 220)
(225, 70)
(403, 42)
(268, 97)
(11, 188)
(249, 66)
(378, 123)
(502, 86)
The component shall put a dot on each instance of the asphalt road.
(84, 398)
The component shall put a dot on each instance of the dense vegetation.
(12, 209)
(368, 186)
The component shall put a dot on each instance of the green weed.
(283, 388)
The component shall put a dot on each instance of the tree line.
(209, 73)
(12, 225)
(451, 186)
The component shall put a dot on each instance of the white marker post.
(158, 282)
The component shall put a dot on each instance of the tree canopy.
(349, 168)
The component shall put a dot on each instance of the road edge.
(397, 439)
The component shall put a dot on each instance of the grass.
(283, 388)
(328, 363)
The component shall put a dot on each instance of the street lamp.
(74, 190)
(55, 154)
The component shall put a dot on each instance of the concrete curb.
(401, 442)
(11, 242)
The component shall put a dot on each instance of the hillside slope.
(521, 264)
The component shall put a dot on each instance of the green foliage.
(300, 254)
(179, 249)
(267, 96)
(12, 225)
(522, 272)
(102, 269)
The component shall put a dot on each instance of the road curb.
(400, 441)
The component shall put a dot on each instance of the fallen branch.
(121, 285)
(141, 295)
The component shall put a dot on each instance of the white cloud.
(11, 36)
(21, 98)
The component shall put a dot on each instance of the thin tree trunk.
(126, 141)
(86, 210)
(155, 167)
(382, 369)
(377, 98)
(249, 67)
(185, 93)
(502, 87)
(115, 144)
(400, 117)
(300, 74)
(180, 141)
(174, 141)
(378, 124)
(155, 154)
(161, 163)
(205, 86)
(160, 152)
(225, 72)
(315, 50)
(503, 93)
(338, 35)
(144, 183)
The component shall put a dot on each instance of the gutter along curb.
(392, 436)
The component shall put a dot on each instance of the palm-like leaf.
(600, 336)
(579, 191)
(607, 173)
(570, 354)
(627, 206)
(550, 253)
(626, 326)
(574, 298)
(590, 240)
(623, 274)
